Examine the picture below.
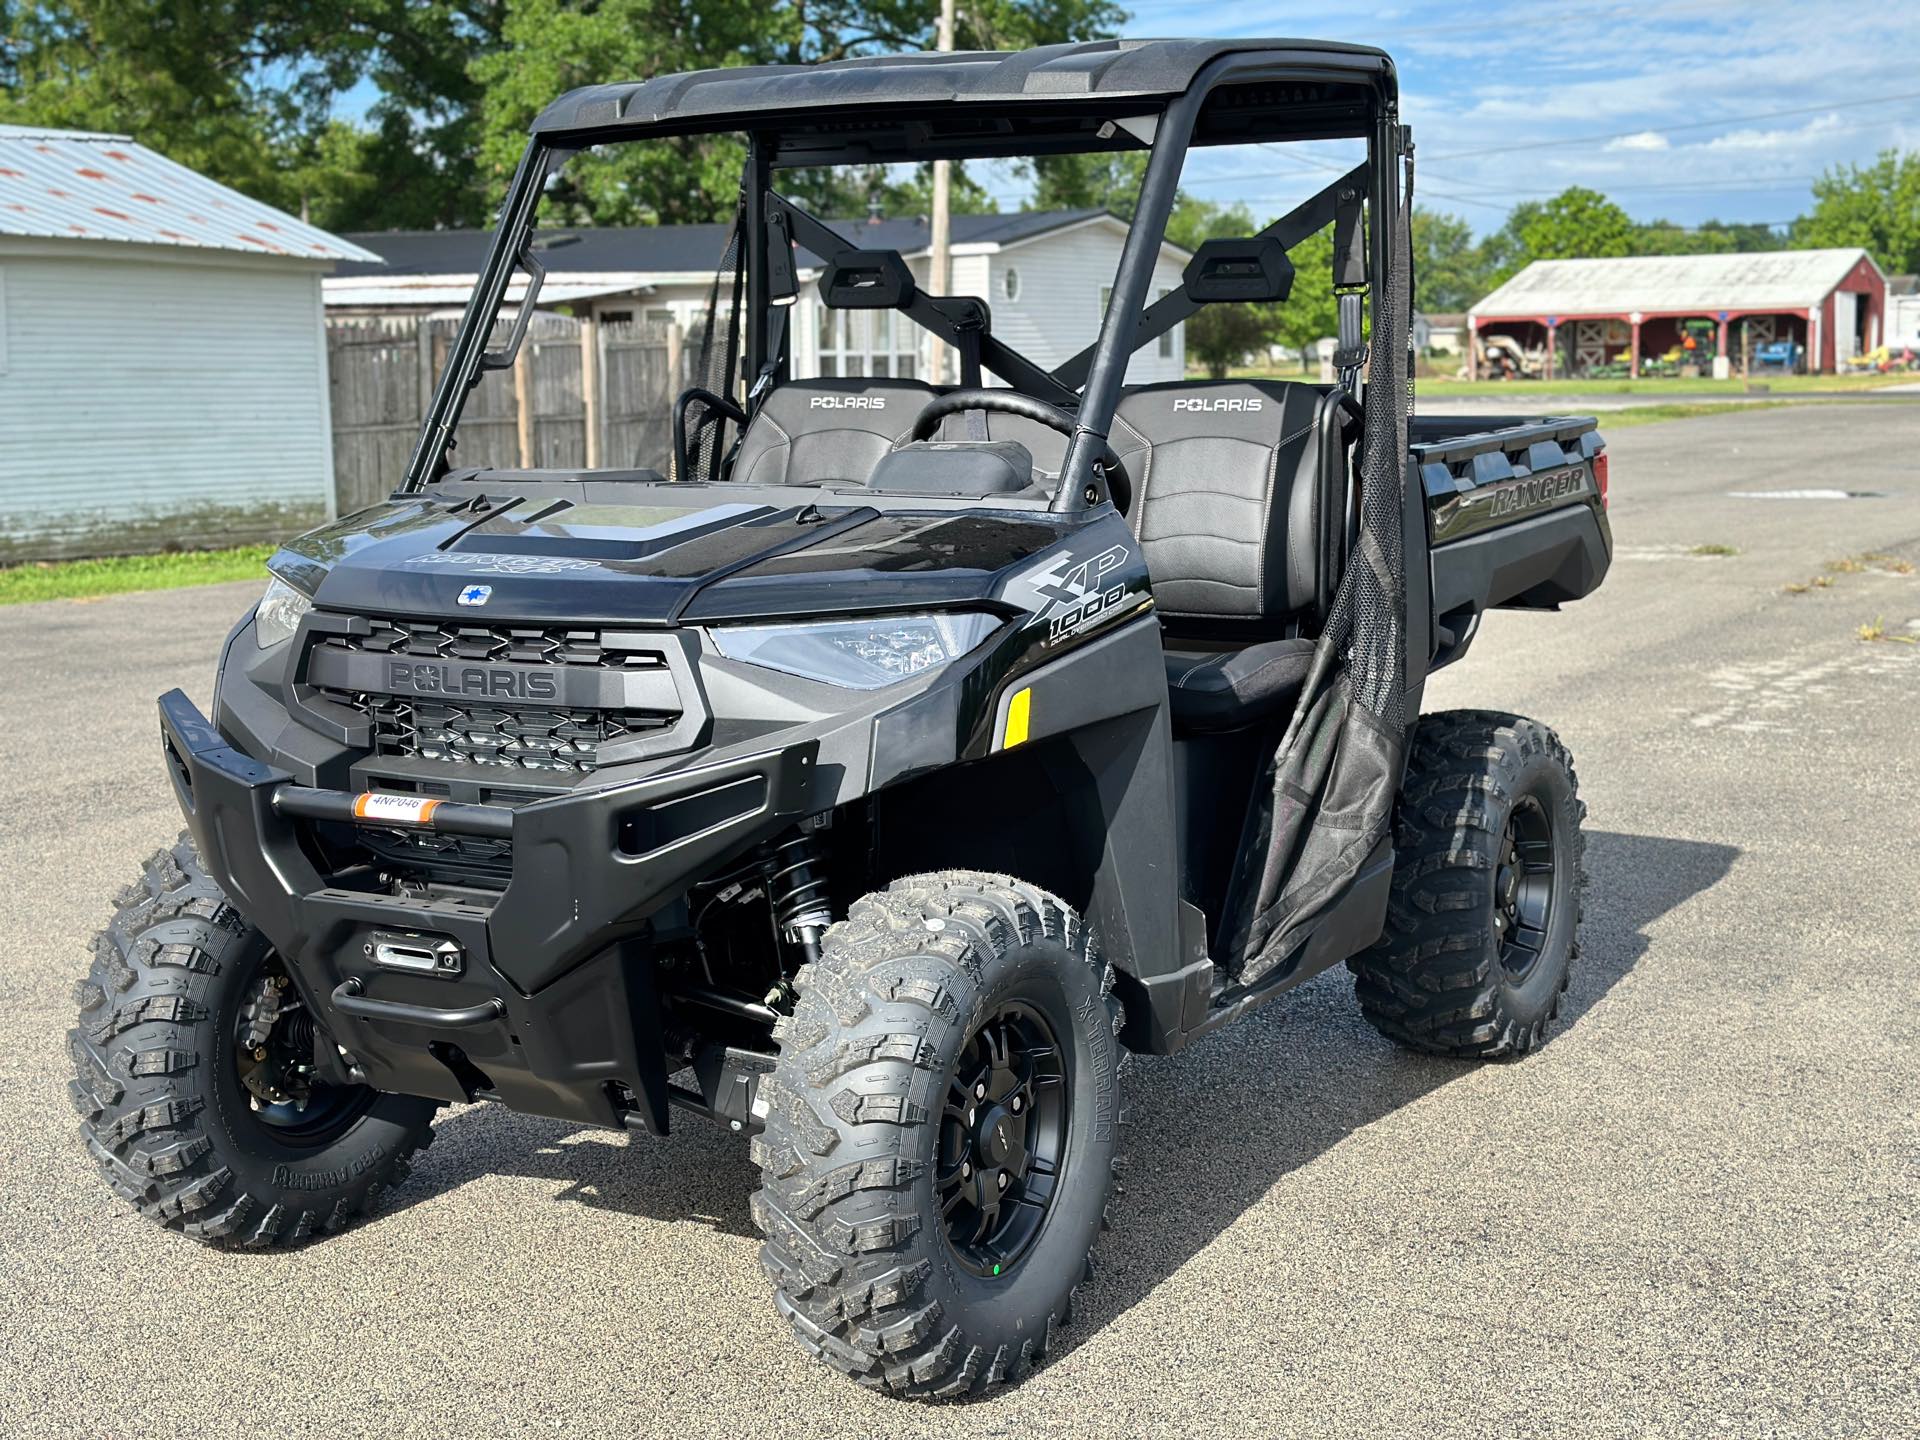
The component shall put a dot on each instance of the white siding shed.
(163, 362)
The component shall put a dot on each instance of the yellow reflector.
(1018, 709)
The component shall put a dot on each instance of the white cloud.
(1750, 140)
(1645, 140)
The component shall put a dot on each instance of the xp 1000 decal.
(1072, 593)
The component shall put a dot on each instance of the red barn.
(1589, 314)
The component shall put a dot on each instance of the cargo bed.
(1516, 516)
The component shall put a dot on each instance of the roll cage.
(1161, 96)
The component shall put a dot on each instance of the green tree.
(1109, 181)
(1309, 312)
(550, 46)
(1449, 270)
(1222, 336)
(1576, 224)
(1875, 206)
(245, 90)
(1711, 237)
(249, 92)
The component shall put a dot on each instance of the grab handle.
(347, 998)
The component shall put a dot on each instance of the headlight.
(859, 654)
(278, 614)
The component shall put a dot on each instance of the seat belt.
(776, 352)
(783, 290)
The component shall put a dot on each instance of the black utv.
(878, 778)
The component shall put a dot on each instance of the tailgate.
(1516, 516)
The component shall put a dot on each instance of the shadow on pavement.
(1211, 1130)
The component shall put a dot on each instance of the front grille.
(519, 644)
(516, 739)
(472, 856)
(497, 732)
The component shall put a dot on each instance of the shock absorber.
(797, 889)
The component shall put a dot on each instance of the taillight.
(1600, 477)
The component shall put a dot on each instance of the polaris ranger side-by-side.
(875, 780)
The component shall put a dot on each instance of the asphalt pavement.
(1695, 1212)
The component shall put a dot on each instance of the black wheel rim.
(273, 1055)
(1003, 1139)
(1523, 884)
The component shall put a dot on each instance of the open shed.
(1598, 316)
(163, 361)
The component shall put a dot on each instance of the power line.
(1734, 186)
(1673, 129)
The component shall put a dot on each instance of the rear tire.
(158, 1077)
(1483, 926)
(928, 1212)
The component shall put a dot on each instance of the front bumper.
(553, 1002)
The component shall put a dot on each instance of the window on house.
(1010, 283)
(878, 343)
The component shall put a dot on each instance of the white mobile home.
(163, 363)
(1044, 274)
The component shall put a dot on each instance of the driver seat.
(828, 431)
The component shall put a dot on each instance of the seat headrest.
(866, 280)
(1257, 410)
(884, 407)
(1255, 269)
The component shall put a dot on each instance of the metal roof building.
(1831, 302)
(163, 368)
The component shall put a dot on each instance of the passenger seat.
(1236, 490)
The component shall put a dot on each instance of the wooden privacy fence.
(581, 394)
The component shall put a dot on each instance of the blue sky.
(1505, 95)
(1502, 97)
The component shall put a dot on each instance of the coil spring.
(797, 889)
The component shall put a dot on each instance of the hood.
(649, 562)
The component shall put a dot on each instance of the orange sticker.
(395, 809)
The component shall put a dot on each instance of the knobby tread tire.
(161, 1123)
(1434, 980)
(854, 1244)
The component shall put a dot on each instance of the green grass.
(1773, 385)
(1715, 550)
(90, 579)
(1651, 414)
(1438, 388)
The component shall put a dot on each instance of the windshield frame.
(1172, 123)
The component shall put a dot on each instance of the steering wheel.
(1011, 402)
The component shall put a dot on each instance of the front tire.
(221, 1140)
(1483, 926)
(941, 1130)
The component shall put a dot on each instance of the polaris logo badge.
(1237, 405)
(476, 595)
(848, 402)
(488, 682)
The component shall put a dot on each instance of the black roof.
(1049, 75)
(671, 249)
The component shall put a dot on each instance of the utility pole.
(940, 276)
